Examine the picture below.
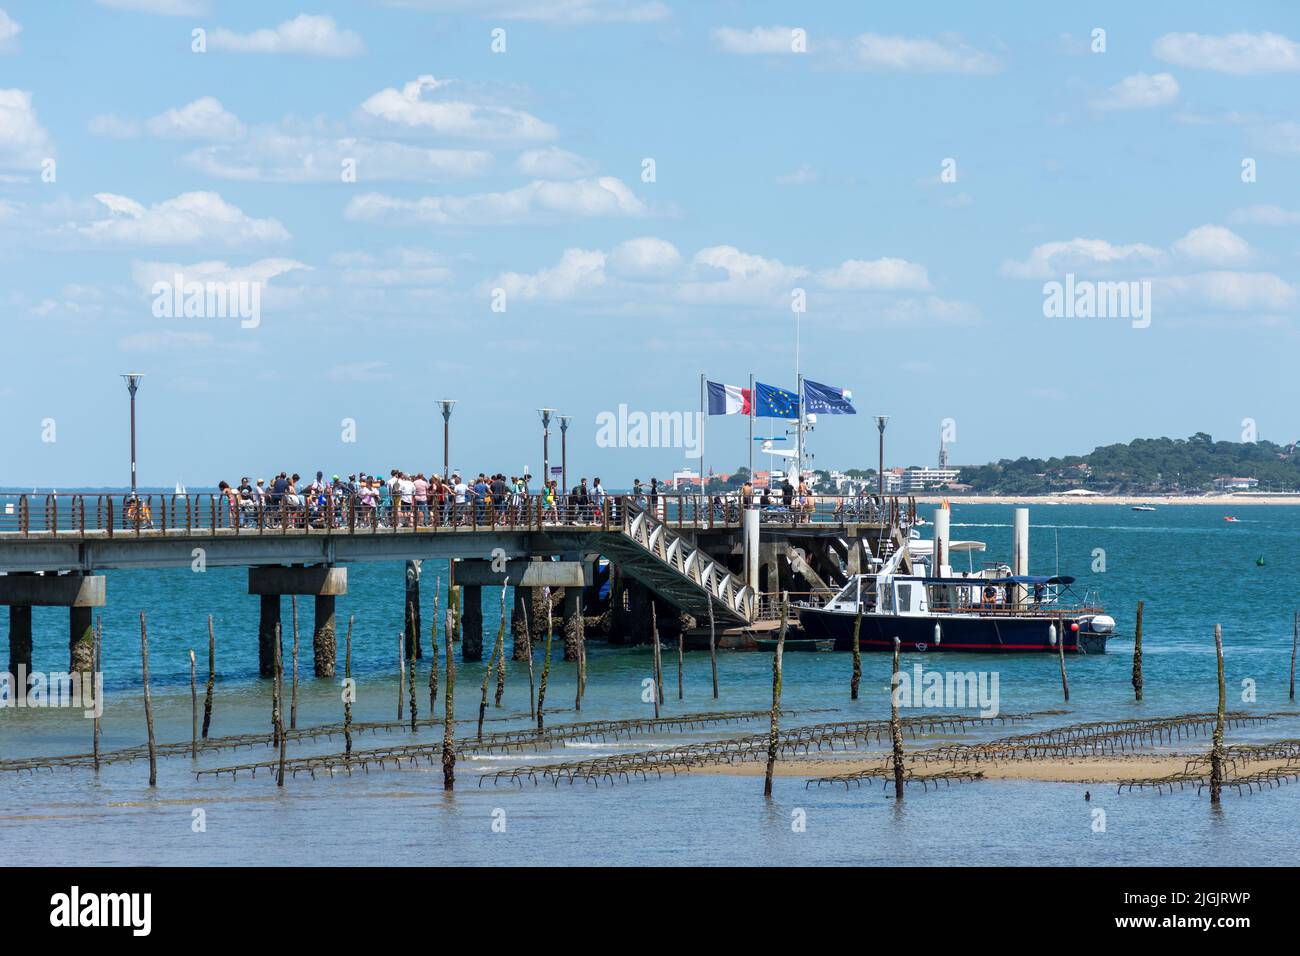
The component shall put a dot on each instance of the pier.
(697, 557)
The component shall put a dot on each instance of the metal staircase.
(673, 568)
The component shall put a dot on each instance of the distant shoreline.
(1220, 501)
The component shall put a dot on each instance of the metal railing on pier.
(76, 514)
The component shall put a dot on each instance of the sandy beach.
(1218, 501)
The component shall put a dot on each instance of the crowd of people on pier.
(414, 499)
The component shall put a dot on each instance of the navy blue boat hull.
(986, 635)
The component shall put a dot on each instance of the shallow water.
(1192, 569)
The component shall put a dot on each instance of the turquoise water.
(1192, 569)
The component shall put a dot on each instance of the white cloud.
(756, 40)
(1213, 244)
(802, 176)
(1239, 53)
(646, 257)
(205, 118)
(1281, 138)
(539, 201)
(1228, 291)
(304, 34)
(373, 370)
(726, 275)
(145, 274)
(929, 309)
(876, 275)
(577, 271)
(410, 108)
(396, 267)
(551, 162)
(1266, 216)
(556, 11)
(113, 126)
(23, 141)
(272, 155)
(944, 54)
(166, 8)
(1139, 91)
(1052, 259)
(187, 219)
(9, 30)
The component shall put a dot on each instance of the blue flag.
(773, 402)
(827, 399)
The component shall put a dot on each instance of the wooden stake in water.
(1137, 653)
(713, 650)
(348, 690)
(654, 656)
(212, 678)
(1295, 637)
(148, 703)
(279, 709)
(401, 671)
(775, 730)
(1059, 641)
(856, 679)
(895, 728)
(1216, 753)
(194, 706)
(276, 723)
(293, 700)
(410, 661)
(681, 639)
(449, 715)
(532, 708)
(433, 639)
(500, 649)
(546, 662)
(98, 684)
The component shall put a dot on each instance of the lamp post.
(880, 423)
(446, 405)
(564, 449)
(546, 444)
(132, 380)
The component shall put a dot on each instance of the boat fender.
(938, 633)
(1051, 634)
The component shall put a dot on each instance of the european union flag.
(773, 402)
(822, 399)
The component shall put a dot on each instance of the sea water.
(1191, 568)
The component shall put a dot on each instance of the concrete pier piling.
(271, 582)
(79, 593)
(413, 608)
(572, 604)
(522, 645)
(471, 640)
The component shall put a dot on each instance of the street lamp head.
(564, 422)
(880, 422)
(132, 380)
(446, 404)
(546, 416)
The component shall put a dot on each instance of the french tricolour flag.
(729, 400)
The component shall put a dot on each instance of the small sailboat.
(1143, 508)
(180, 487)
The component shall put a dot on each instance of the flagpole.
(704, 417)
(798, 448)
(751, 428)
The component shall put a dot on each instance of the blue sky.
(524, 171)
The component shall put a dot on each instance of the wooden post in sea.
(532, 709)
(546, 662)
(775, 729)
(1295, 637)
(713, 650)
(500, 649)
(348, 690)
(293, 698)
(895, 728)
(581, 689)
(281, 736)
(433, 640)
(401, 672)
(275, 692)
(487, 675)
(856, 680)
(410, 661)
(1216, 753)
(148, 702)
(448, 711)
(1137, 653)
(99, 684)
(212, 678)
(1059, 641)
(194, 706)
(654, 656)
(681, 639)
